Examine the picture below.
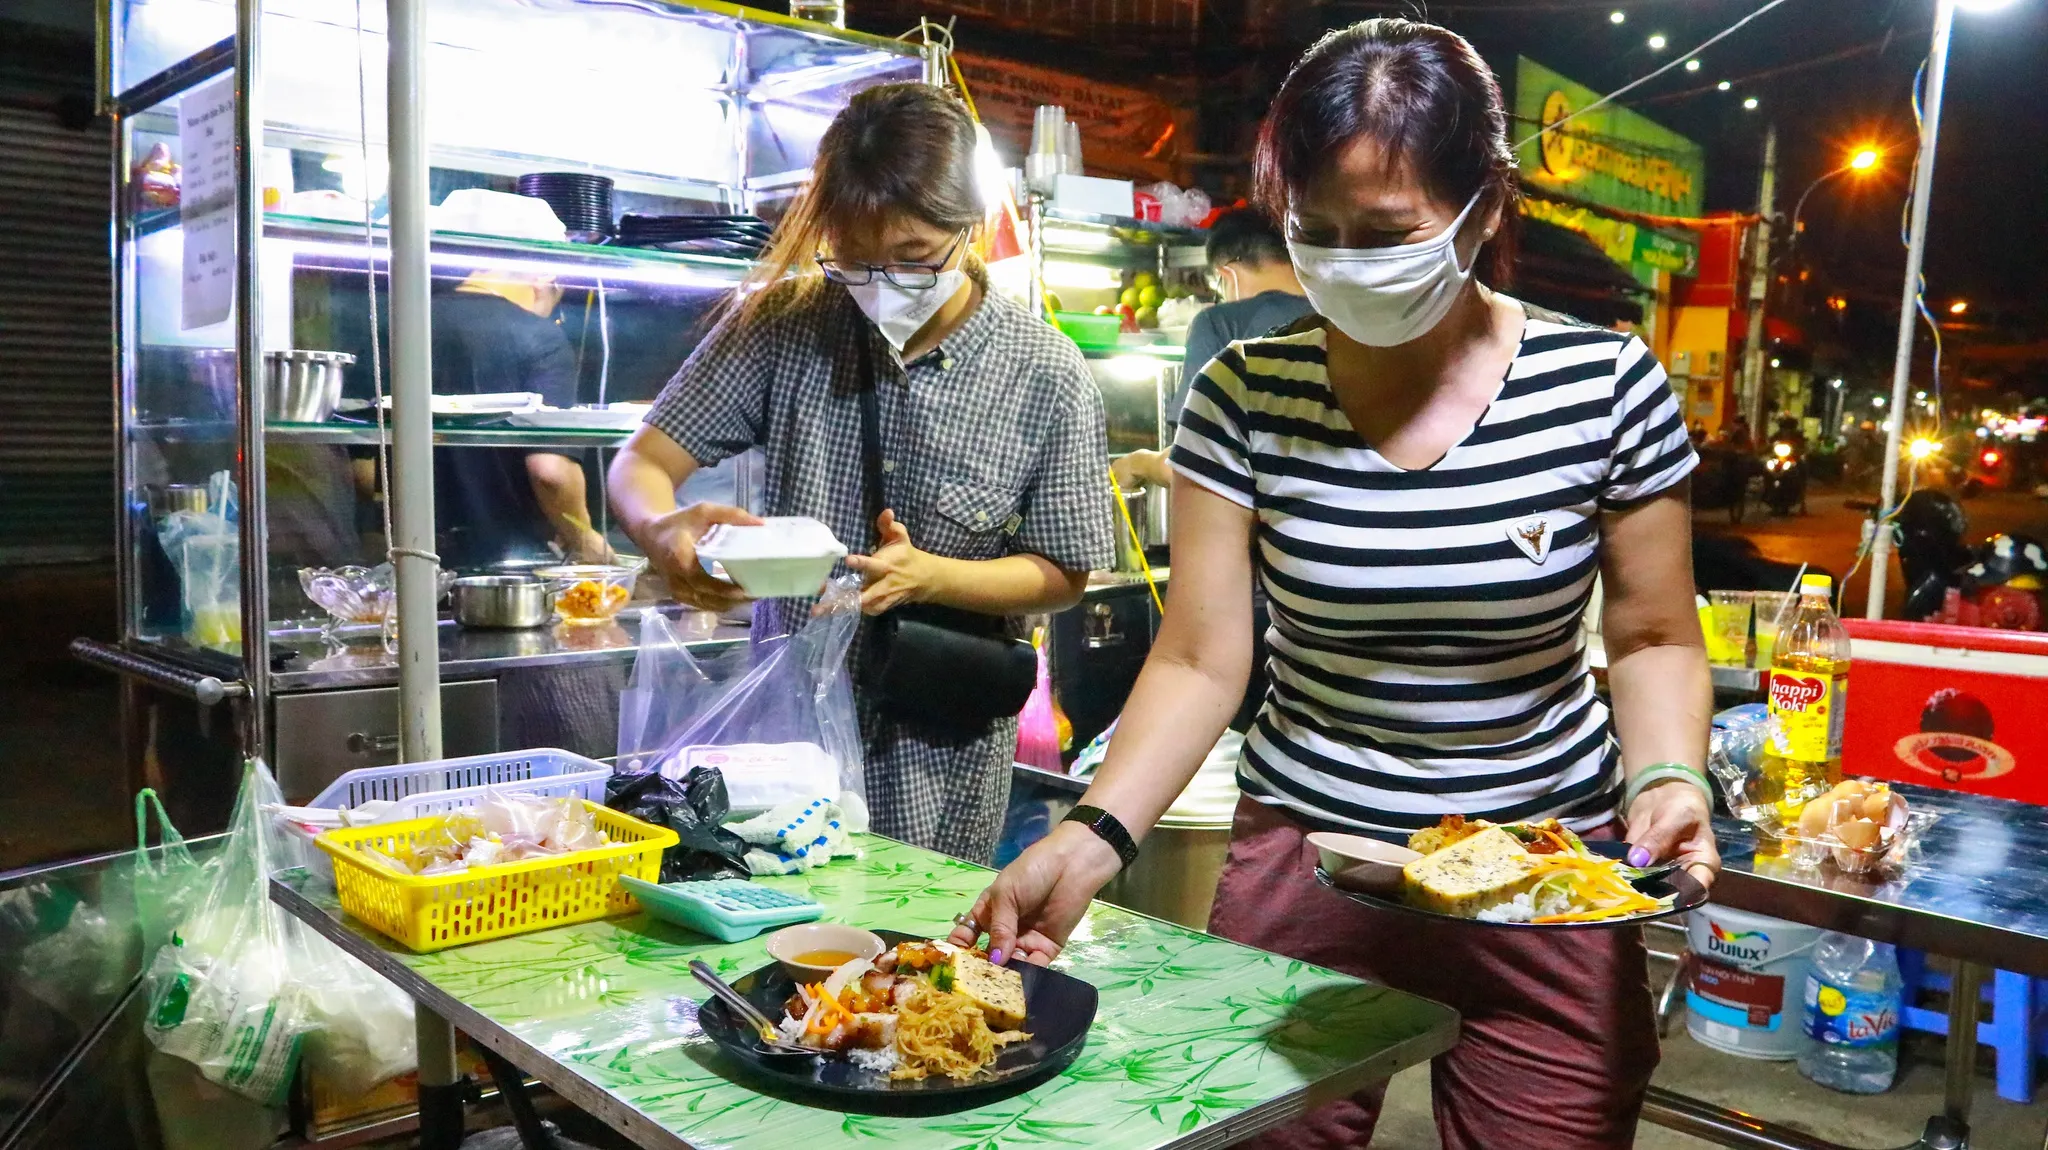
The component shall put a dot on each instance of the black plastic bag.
(693, 807)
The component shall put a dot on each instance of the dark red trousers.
(1559, 1036)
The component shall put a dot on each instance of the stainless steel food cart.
(274, 235)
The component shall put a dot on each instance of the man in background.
(495, 332)
(1248, 261)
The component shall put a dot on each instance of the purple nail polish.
(996, 956)
(1637, 856)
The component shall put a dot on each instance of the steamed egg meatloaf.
(999, 992)
(1470, 875)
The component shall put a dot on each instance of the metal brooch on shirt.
(1532, 536)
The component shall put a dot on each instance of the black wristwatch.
(1109, 829)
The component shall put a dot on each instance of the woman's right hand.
(671, 541)
(1036, 901)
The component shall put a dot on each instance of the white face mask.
(899, 311)
(1385, 296)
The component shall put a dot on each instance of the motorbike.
(1989, 469)
(1784, 478)
(1996, 583)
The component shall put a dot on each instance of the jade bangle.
(1663, 772)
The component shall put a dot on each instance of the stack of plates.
(740, 236)
(582, 202)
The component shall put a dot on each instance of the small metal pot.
(302, 386)
(503, 602)
(165, 498)
(1147, 506)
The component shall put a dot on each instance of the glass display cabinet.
(1083, 262)
(251, 267)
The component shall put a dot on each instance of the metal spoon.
(746, 1011)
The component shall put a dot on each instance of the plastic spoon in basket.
(745, 1010)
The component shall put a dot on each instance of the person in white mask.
(993, 472)
(1425, 477)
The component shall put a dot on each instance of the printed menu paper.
(206, 205)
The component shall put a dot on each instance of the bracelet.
(1664, 772)
(1109, 829)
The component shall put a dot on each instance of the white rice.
(1521, 909)
(881, 1061)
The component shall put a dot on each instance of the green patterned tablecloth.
(1198, 1042)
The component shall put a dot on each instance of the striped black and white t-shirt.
(1425, 653)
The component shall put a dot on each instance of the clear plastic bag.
(241, 990)
(222, 993)
(1735, 759)
(168, 885)
(783, 729)
(206, 549)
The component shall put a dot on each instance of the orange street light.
(1959, 307)
(1864, 159)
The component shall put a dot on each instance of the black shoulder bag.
(941, 666)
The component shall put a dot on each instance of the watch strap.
(1109, 829)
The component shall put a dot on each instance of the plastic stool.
(2016, 1002)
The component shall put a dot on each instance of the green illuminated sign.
(1610, 156)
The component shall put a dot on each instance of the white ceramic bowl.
(1355, 862)
(783, 557)
(791, 943)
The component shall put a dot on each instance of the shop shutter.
(56, 362)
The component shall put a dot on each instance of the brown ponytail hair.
(894, 149)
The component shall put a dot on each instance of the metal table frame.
(1956, 900)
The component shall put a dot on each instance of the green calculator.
(727, 909)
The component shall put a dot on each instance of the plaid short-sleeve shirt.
(992, 445)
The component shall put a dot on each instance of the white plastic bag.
(242, 990)
(222, 992)
(785, 728)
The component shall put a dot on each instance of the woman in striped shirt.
(1426, 477)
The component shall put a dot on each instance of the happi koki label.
(1808, 710)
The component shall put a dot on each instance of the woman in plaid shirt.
(995, 466)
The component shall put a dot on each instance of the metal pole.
(1964, 991)
(249, 475)
(1916, 254)
(1752, 403)
(412, 385)
(1036, 216)
(441, 1088)
(1799, 209)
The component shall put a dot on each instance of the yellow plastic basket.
(433, 912)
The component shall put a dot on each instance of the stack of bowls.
(582, 202)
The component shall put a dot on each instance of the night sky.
(1988, 240)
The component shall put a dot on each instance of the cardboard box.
(1949, 707)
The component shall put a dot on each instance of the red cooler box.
(1965, 708)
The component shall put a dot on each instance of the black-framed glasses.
(911, 276)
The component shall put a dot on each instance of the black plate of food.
(1059, 1009)
(1482, 887)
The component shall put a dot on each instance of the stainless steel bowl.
(503, 602)
(302, 386)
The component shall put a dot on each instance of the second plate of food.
(1524, 876)
(1058, 1010)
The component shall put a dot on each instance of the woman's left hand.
(897, 573)
(1673, 820)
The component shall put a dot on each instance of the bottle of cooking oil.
(1808, 686)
